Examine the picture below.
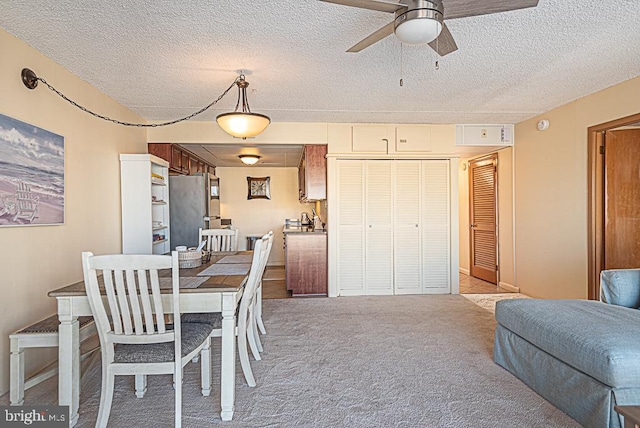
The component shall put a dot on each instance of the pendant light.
(243, 124)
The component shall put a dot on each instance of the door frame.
(595, 207)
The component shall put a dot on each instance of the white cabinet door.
(371, 138)
(407, 228)
(436, 243)
(351, 243)
(379, 227)
(413, 139)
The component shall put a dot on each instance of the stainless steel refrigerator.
(194, 202)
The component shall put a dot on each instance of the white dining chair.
(134, 338)
(245, 329)
(219, 239)
(258, 324)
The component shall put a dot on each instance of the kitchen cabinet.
(312, 173)
(181, 160)
(145, 204)
(306, 263)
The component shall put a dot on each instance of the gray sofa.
(583, 356)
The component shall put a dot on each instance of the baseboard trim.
(465, 271)
(509, 287)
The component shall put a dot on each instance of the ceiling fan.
(419, 22)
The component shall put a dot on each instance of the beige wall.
(38, 259)
(551, 192)
(259, 216)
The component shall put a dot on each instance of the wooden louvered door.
(483, 224)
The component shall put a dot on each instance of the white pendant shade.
(418, 31)
(249, 159)
(243, 125)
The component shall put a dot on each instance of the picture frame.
(32, 184)
(258, 188)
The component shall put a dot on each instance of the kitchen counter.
(302, 229)
(305, 261)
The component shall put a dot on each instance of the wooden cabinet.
(312, 173)
(145, 204)
(306, 263)
(181, 161)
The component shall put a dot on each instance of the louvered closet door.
(350, 227)
(407, 228)
(436, 226)
(482, 195)
(379, 227)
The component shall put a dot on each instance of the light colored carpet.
(392, 361)
(488, 301)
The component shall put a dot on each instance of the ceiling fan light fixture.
(243, 124)
(249, 159)
(421, 25)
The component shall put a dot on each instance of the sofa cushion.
(620, 287)
(598, 339)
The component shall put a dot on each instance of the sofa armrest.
(620, 287)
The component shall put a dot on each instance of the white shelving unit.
(144, 187)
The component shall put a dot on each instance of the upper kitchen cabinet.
(181, 161)
(312, 173)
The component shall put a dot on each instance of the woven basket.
(189, 259)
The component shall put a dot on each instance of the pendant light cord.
(140, 125)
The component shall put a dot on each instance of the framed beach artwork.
(31, 175)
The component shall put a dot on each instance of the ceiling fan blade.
(385, 31)
(463, 8)
(444, 44)
(379, 5)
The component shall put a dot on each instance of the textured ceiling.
(165, 59)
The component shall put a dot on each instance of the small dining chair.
(219, 239)
(134, 338)
(246, 328)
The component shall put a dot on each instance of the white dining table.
(220, 293)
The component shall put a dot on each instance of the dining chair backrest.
(135, 308)
(219, 239)
(258, 263)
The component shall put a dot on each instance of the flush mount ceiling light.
(249, 159)
(420, 25)
(243, 124)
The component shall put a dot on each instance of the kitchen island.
(305, 260)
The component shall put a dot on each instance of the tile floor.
(274, 287)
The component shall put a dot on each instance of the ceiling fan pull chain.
(401, 69)
(437, 50)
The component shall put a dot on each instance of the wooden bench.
(43, 334)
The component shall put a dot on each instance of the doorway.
(483, 231)
(614, 198)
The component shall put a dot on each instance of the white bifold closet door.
(393, 227)
(351, 245)
(408, 228)
(379, 227)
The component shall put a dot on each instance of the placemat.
(226, 269)
(185, 282)
(243, 258)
